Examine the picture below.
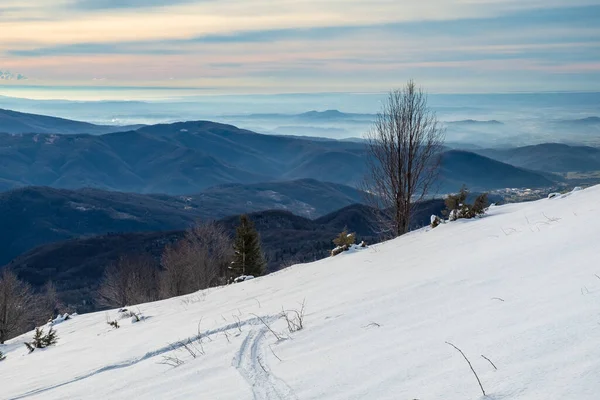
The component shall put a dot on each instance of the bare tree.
(49, 305)
(131, 280)
(175, 277)
(17, 306)
(198, 261)
(214, 251)
(403, 156)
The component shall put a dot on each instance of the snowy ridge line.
(251, 364)
(171, 347)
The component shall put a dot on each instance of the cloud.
(69, 22)
(94, 49)
(121, 4)
(326, 43)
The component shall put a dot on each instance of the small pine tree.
(38, 338)
(456, 203)
(50, 338)
(41, 339)
(248, 258)
(480, 204)
(29, 347)
(457, 206)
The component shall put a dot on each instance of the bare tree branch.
(490, 361)
(470, 366)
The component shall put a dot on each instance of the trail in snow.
(250, 361)
(163, 350)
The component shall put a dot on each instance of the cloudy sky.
(284, 46)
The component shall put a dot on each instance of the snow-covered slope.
(517, 287)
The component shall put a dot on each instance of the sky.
(299, 46)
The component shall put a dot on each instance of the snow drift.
(517, 287)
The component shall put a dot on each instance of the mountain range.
(178, 158)
(77, 201)
(189, 157)
(33, 216)
(309, 116)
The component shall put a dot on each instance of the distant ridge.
(582, 121)
(189, 157)
(482, 173)
(308, 116)
(475, 122)
(34, 216)
(553, 157)
(16, 123)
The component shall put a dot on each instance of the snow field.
(517, 286)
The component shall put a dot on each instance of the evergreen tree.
(50, 338)
(248, 258)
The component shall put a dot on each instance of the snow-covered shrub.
(345, 239)
(124, 313)
(338, 250)
(435, 221)
(351, 248)
(243, 278)
(457, 206)
(61, 318)
(343, 242)
(42, 340)
(2, 356)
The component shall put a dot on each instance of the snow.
(61, 318)
(517, 286)
(243, 278)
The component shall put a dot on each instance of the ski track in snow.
(250, 361)
(163, 350)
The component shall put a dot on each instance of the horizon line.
(258, 94)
